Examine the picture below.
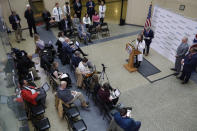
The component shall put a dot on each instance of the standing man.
(46, 15)
(189, 65)
(14, 20)
(29, 15)
(78, 8)
(148, 36)
(57, 13)
(180, 54)
(90, 8)
(66, 8)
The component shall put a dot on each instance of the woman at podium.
(140, 46)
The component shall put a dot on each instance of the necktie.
(102, 8)
(67, 10)
(58, 12)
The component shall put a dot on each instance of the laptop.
(46, 86)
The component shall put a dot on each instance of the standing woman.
(102, 9)
(140, 46)
(57, 13)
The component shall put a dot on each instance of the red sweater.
(28, 96)
(104, 95)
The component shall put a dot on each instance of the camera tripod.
(103, 75)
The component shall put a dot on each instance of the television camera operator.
(24, 64)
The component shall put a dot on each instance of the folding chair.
(42, 125)
(105, 29)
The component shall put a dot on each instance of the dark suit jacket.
(29, 15)
(90, 10)
(190, 62)
(13, 22)
(63, 24)
(77, 8)
(46, 16)
(149, 34)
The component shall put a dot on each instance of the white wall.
(137, 10)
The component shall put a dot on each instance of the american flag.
(148, 19)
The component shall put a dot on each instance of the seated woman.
(39, 43)
(96, 20)
(60, 40)
(59, 76)
(86, 20)
(82, 71)
(104, 94)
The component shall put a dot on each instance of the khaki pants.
(79, 77)
(79, 96)
(18, 32)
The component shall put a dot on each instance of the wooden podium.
(133, 52)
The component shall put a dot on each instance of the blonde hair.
(36, 37)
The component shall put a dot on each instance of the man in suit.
(14, 20)
(180, 54)
(189, 65)
(66, 25)
(90, 8)
(46, 15)
(126, 123)
(148, 36)
(66, 9)
(84, 33)
(29, 15)
(78, 8)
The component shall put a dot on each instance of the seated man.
(32, 94)
(84, 33)
(126, 123)
(82, 71)
(70, 48)
(69, 96)
(66, 25)
(25, 64)
(76, 59)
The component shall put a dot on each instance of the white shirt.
(62, 39)
(57, 13)
(140, 46)
(86, 20)
(83, 69)
(102, 9)
(65, 10)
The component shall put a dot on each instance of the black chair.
(79, 126)
(36, 112)
(105, 30)
(93, 31)
(71, 112)
(42, 125)
(24, 128)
